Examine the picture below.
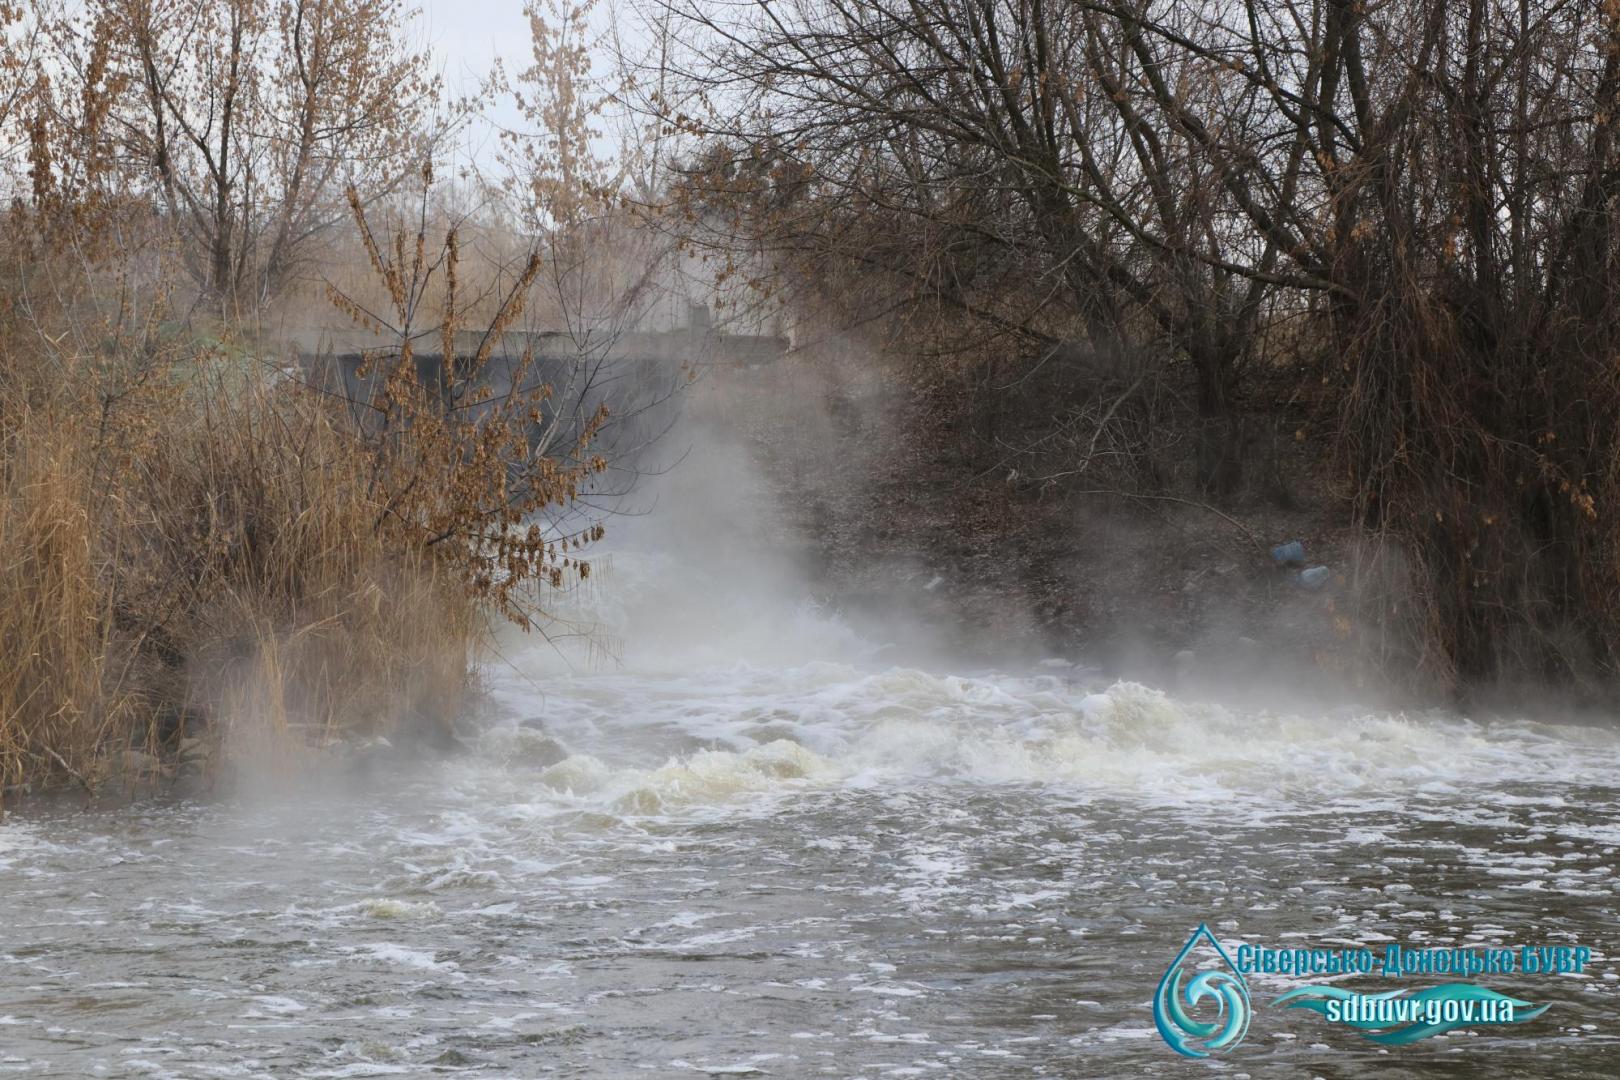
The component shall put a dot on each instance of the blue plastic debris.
(1314, 578)
(1291, 552)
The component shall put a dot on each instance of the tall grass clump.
(207, 557)
(228, 585)
(54, 713)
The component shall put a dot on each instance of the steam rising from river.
(727, 679)
(757, 845)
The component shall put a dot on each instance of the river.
(767, 848)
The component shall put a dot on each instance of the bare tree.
(1011, 163)
(564, 180)
(1431, 184)
(244, 120)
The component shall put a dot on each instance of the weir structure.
(636, 374)
(323, 352)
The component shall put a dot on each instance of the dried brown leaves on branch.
(456, 463)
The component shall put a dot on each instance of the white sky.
(466, 37)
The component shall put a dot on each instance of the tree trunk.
(1220, 437)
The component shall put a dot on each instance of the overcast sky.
(471, 33)
(466, 37)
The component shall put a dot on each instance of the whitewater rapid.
(703, 736)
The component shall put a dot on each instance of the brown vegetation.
(209, 552)
(1409, 208)
(201, 546)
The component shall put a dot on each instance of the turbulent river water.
(764, 849)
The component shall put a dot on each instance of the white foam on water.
(21, 845)
(390, 953)
(729, 685)
(640, 743)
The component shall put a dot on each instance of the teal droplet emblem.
(1217, 993)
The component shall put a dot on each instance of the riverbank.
(197, 575)
(891, 506)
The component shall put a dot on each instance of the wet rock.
(453, 1058)
(573, 1033)
(364, 756)
(539, 750)
(192, 782)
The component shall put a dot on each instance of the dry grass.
(307, 617)
(200, 550)
(203, 557)
(57, 699)
(195, 551)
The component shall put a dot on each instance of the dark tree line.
(1423, 191)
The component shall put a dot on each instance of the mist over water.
(711, 827)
